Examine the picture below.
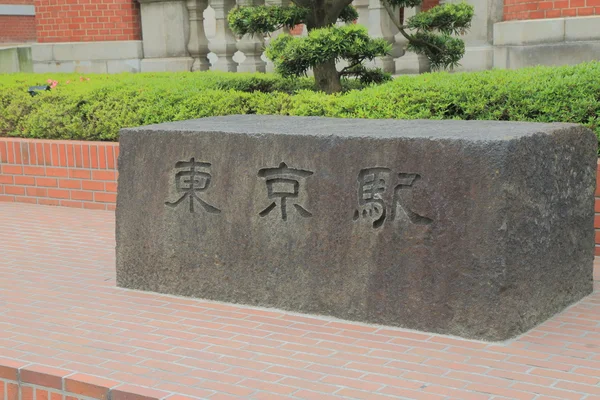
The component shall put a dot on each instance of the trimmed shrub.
(97, 108)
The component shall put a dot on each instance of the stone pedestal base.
(87, 57)
(411, 64)
(173, 64)
(556, 41)
(470, 228)
(478, 58)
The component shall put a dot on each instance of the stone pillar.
(165, 31)
(381, 26)
(362, 7)
(198, 43)
(283, 3)
(410, 62)
(251, 46)
(224, 43)
(479, 51)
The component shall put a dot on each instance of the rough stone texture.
(497, 237)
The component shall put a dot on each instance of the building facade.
(109, 36)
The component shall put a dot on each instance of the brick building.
(56, 21)
(17, 21)
(174, 35)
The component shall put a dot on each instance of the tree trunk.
(327, 78)
(325, 14)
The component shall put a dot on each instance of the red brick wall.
(84, 175)
(62, 173)
(87, 20)
(17, 28)
(427, 4)
(537, 9)
(38, 382)
(297, 30)
(597, 210)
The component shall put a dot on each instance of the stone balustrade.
(204, 40)
(193, 35)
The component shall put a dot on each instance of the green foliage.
(442, 50)
(367, 76)
(98, 108)
(405, 3)
(432, 33)
(348, 14)
(264, 19)
(449, 18)
(293, 56)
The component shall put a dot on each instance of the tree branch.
(402, 28)
(302, 3)
(345, 69)
(338, 5)
(268, 34)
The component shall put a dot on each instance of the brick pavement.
(59, 308)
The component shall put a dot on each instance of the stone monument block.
(470, 228)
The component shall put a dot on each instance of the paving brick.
(359, 394)
(579, 375)
(195, 393)
(179, 397)
(516, 376)
(510, 393)
(435, 379)
(311, 385)
(129, 340)
(579, 387)
(457, 366)
(221, 387)
(310, 395)
(267, 386)
(352, 383)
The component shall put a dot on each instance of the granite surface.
(471, 228)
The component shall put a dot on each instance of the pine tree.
(429, 33)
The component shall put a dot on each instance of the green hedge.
(97, 108)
